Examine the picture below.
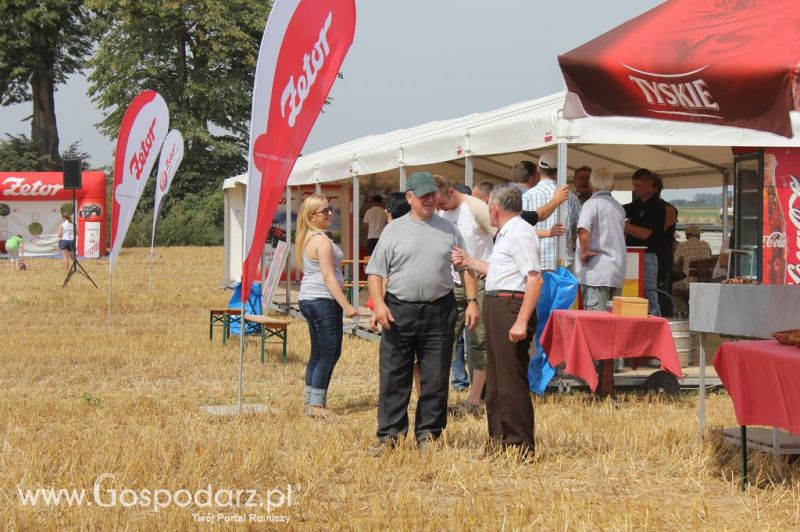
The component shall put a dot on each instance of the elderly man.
(471, 218)
(691, 250)
(644, 227)
(513, 285)
(600, 265)
(418, 314)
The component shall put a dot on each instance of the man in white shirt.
(471, 217)
(513, 286)
(375, 220)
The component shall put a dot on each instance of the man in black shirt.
(644, 227)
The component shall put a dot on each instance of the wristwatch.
(471, 300)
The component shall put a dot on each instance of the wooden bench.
(222, 316)
(270, 328)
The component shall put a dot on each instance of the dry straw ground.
(79, 400)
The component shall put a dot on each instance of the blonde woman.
(321, 299)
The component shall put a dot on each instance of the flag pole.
(110, 271)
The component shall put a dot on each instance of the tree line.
(200, 55)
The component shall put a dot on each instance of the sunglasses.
(326, 211)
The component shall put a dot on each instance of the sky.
(412, 61)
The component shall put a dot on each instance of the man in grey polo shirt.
(418, 314)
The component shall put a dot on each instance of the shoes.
(426, 444)
(318, 412)
(465, 408)
(382, 447)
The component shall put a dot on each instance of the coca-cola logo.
(776, 239)
(17, 186)
(138, 160)
(678, 94)
(794, 216)
(294, 94)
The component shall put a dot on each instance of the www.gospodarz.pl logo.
(156, 499)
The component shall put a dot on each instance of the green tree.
(200, 55)
(20, 154)
(41, 43)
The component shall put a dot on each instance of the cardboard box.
(630, 306)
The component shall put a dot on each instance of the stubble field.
(117, 412)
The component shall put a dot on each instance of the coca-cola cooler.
(767, 215)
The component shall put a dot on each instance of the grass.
(79, 400)
(699, 215)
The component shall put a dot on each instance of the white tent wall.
(686, 155)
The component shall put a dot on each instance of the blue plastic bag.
(253, 306)
(558, 292)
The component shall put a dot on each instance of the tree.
(41, 43)
(200, 55)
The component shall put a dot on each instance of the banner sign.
(304, 44)
(781, 217)
(143, 130)
(171, 157)
(31, 204)
(730, 63)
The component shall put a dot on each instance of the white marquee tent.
(486, 145)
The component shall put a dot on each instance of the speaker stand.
(76, 266)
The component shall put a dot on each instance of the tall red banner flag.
(143, 130)
(304, 44)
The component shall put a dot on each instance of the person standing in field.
(66, 239)
(418, 315)
(322, 301)
(513, 286)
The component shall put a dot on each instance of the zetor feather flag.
(143, 130)
(304, 44)
(171, 157)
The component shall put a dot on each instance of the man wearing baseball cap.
(541, 195)
(691, 250)
(418, 314)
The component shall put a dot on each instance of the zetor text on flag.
(171, 157)
(304, 44)
(143, 130)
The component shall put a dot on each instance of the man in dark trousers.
(418, 314)
(513, 286)
(644, 227)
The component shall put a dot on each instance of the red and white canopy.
(728, 63)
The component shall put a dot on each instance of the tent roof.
(729, 63)
(687, 155)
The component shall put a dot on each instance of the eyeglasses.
(326, 211)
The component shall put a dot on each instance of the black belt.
(505, 293)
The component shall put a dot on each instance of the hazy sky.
(412, 61)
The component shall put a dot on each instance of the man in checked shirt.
(539, 196)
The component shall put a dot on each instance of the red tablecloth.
(581, 336)
(763, 380)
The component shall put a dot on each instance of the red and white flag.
(303, 47)
(171, 157)
(143, 130)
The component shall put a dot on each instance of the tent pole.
(402, 171)
(468, 171)
(356, 243)
(561, 254)
(726, 179)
